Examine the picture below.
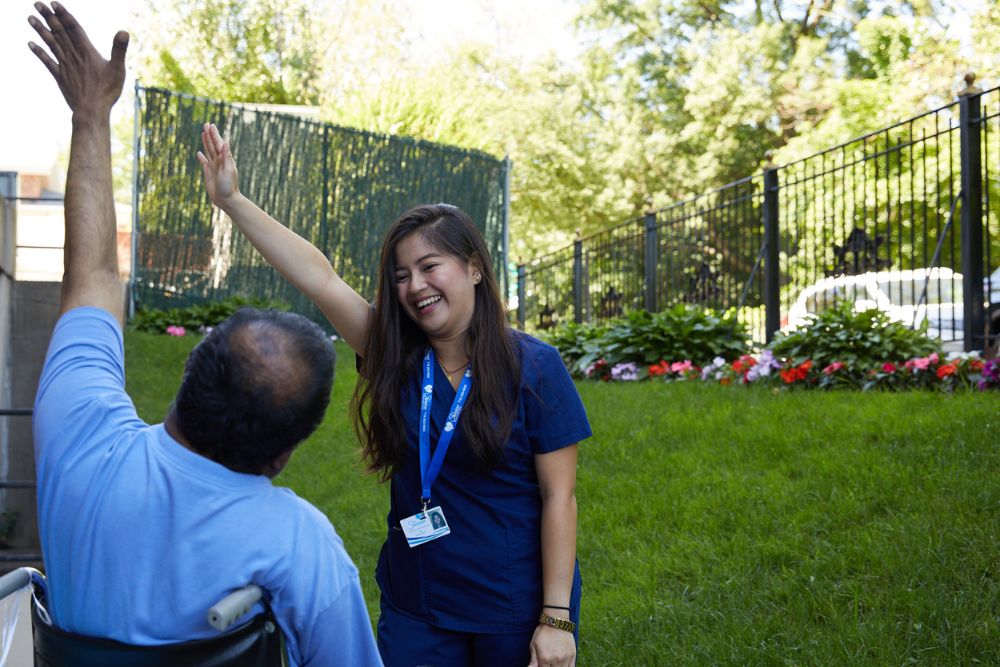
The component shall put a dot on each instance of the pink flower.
(681, 366)
(888, 367)
(833, 368)
(174, 330)
(920, 364)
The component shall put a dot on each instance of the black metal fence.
(904, 219)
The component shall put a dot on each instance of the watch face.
(558, 623)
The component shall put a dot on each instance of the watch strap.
(558, 623)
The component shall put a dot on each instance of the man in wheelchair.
(144, 526)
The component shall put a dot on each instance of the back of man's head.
(254, 388)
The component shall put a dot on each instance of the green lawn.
(723, 525)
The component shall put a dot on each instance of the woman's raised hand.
(219, 167)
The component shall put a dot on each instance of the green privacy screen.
(337, 187)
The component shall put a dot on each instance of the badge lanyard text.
(431, 466)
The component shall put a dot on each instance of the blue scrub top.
(486, 575)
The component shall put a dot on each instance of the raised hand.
(219, 167)
(90, 84)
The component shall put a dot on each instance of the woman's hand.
(221, 177)
(551, 647)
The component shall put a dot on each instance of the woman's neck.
(450, 351)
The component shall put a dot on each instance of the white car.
(896, 293)
(992, 289)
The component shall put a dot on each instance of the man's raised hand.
(90, 84)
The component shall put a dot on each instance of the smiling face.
(436, 290)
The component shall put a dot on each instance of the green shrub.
(576, 341)
(857, 339)
(193, 317)
(679, 333)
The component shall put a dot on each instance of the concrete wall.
(36, 309)
(8, 244)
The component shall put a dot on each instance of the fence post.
(970, 121)
(324, 214)
(772, 273)
(134, 240)
(578, 278)
(649, 267)
(505, 213)
(522, 292)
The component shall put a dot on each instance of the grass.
(723, 525)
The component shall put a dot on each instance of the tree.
(264, 51)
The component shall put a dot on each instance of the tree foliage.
(669, 98)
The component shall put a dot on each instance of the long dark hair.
(396, 345)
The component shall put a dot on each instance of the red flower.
(945, 370)
(744, 363)
(975, 365)
(661, 368)
(888, 367)
(796, 373)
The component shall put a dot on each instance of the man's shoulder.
(80, 318)
(312, 528)
(81, 401)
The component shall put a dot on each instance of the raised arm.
(299, 261)
(91, 85)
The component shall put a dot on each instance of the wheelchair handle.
(15, 580)
(225, 612)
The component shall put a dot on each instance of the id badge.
(424, 526)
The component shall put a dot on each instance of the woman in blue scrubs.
(468, 419)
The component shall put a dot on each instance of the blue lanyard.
(430, 467)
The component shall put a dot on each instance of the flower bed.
(955, 371)
(839, 347)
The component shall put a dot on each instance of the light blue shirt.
(141, 535)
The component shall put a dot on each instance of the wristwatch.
(558, 623)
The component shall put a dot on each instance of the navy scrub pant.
(404, 641)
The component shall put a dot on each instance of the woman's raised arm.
(295, 258)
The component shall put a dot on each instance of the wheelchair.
(255, 643)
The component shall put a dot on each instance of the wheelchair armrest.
(225, 612)
(15, 580)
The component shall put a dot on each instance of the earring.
(476, 278)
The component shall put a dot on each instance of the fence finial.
(578, 234)
(769, 159)
(970, 88)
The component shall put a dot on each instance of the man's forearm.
(91, 244)
(90, 262)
